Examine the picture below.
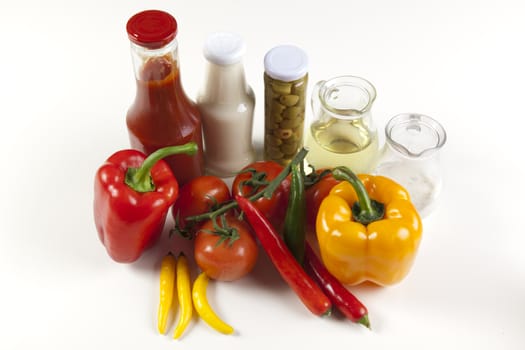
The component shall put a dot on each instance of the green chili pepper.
(294, 223)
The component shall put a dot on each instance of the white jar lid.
(224, 48)
(286, 63)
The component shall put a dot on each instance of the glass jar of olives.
(285, 83)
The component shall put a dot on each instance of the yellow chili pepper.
(367, 229)
(184, 294)
(203, 307)
(167, 283)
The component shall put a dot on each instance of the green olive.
(283, 134)
(298, 132)
(291, 140)
(281, 88)
(289, 100)
(273, 126)
(276, 108)
(301, 104)
(273, 153)
(290, 123)
(273, 95)
(289, 149)
(292, 112)
(272, 140)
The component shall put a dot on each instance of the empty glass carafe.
(411, 157)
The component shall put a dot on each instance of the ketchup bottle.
(161, 115)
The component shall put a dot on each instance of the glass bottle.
(411, 157)
(342, 131)
(161, 115)
(285, 83)
(226, 103)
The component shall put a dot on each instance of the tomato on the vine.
(273, 208)
(227, 252)
(199, 196)
(315, 195)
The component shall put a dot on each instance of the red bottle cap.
(152, 28)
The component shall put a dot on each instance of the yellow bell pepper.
(367, 229)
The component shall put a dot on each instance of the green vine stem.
(266, 193)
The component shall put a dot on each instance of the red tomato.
(315, 195)
(199, 196)
(273, 208)
(227, 260)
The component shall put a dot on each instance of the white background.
(67, 81)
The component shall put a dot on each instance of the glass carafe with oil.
(342, 131)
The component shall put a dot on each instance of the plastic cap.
(286, 63)
(152, 29)
(224, 48)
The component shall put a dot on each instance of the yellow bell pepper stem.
(167, 283)
(184, 295)
(204, 309)
(365, 210)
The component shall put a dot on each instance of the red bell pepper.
(132, 197)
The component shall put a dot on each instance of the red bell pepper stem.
(307, 290)
(140, 180)
(341, 297)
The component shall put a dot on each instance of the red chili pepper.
(132, 197)
(309, 292)
(342, 298)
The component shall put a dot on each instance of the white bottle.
(226, 103)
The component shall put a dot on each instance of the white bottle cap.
(224, 48)
(286, 63)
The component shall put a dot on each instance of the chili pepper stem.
(139, 179)
(366, 210)
(365, 321)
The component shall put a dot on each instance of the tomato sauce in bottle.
(161, 115)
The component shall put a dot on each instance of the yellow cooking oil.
(342, 142)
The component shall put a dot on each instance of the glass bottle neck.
(225, 83)
(155, 64)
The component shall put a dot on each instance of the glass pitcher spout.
(415, 135)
